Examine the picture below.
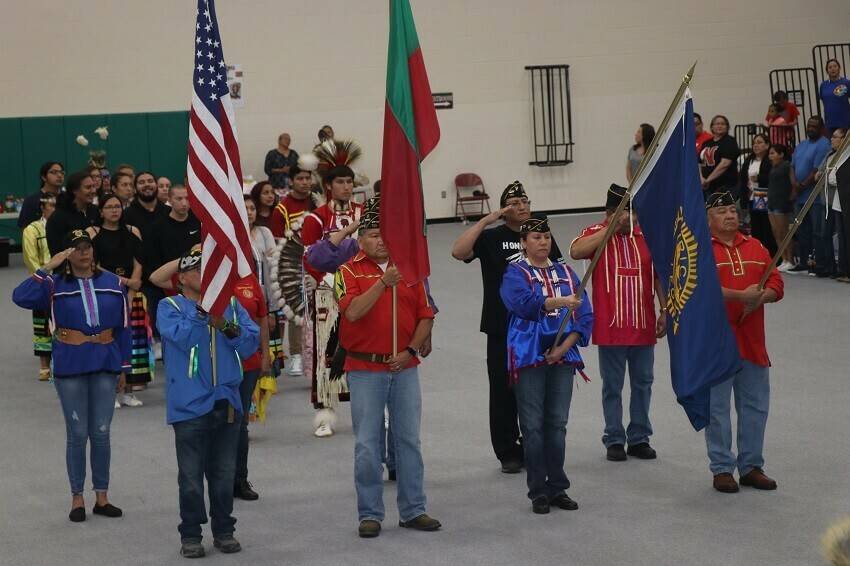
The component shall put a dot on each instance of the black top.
(496, 248)
(64, 220)
(843, 178)
(779, 187)
(167, 239)
(276, 160)
(115, 250)
(140, 217)
(31, 209)
(709, 158)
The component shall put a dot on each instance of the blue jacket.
(88, 305)
(192, 387)
(531, 330)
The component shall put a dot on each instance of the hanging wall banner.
(235, 85)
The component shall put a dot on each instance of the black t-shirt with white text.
(713, 151)
(495, 248)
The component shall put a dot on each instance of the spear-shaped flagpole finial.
(690, 74)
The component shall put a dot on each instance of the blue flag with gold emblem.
(668, 199)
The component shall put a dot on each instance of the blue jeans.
(87, 403)
(246, 390)
(543, 396)
(752, 400)
(371, 391)
(612, 367)
(206, 446)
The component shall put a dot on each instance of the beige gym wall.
(323, 61)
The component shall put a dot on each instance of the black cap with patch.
(514, 190)
(535, 225)
(719, 198)
(189, 261)
(616, 194)
(76, 237)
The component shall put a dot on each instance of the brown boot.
(756, 478)
(725, 483)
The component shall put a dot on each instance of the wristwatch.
(412, 351)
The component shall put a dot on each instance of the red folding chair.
(470, 191)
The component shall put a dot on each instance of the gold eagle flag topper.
(683, 272)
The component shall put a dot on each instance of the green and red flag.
(411, 131)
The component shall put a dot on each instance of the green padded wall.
(154, 141)
(129, 141)
(11, 157)
(169, 135)
(42, 139)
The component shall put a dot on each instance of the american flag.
(213, 171)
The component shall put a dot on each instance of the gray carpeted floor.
(635, 513)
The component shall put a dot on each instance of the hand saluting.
(58, 259)
(495, 216)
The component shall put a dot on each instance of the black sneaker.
(227, 544)
(192, 549)
(243, 489)
(511, 466)
(563, 501)
(642, 451)
(616, 453)
(369, 528)
(108, 510)
(540, 505)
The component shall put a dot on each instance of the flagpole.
(609, 231)
(816, 191)
(395, 320)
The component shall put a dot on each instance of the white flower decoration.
(81, 139)
(102, 132)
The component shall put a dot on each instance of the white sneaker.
(324, 421)
(786, 266)
(296, 367)
(117, 404)
(157, 350)
(130, 400)
(324, 430)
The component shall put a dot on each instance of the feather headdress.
(334, 154)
